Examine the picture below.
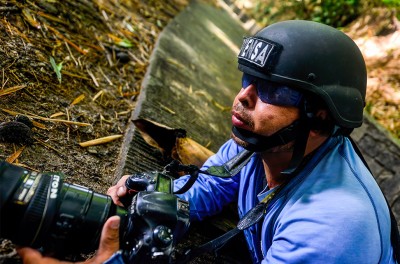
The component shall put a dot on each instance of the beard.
(239, 141)
(247, 119)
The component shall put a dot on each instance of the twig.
(101, 92)
(70, 53)
(93, 77)
(11, 90)
(48, 146)
(66, 109)
(24, 166)
(167, 109)
(57, 114)
(108, 80)
(15, 155)
(78, 99)
(50, 17)
(75, 75)
(99, 141)
(46, 119)
(61, 36)
(3, 83)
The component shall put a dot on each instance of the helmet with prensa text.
(313, 58)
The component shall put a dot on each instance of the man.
(303, 92)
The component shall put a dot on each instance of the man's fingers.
(109, 241)
(121, 191)
(29, 255)
(118, 190)
(32, 256)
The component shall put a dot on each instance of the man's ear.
(322, 113)
(318, 122)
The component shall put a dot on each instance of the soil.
(102, 49)
(74, 68)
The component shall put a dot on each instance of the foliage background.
(337, 13)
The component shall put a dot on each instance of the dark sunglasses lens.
(272, 93)
(247, 80)
(278, 94)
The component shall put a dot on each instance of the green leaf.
(57, 68)
(125, 43)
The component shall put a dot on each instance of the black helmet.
(312, 57)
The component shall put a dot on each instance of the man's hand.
(119, 190)
(109, 244)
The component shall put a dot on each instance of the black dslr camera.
(64, 220)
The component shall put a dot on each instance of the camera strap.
(228, 169)
(252, 217)
(174, 167)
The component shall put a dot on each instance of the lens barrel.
(41, 211)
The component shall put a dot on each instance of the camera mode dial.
(143, 181)
(162, 236)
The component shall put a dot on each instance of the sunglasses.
(272, 93)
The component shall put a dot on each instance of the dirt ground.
(74, 68)
(100, 51)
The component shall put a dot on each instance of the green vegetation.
(337, 13)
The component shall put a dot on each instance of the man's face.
(252, 114)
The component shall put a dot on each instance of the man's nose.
(248, 96)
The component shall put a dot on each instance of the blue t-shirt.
(332, 212)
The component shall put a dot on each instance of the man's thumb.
(109, 241)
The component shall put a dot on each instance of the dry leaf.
(172, 142)
(78, 99)
(159, 136)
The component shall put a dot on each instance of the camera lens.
(41, 211)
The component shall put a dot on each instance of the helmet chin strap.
(258, 143)
(298, 131)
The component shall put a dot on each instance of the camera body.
(158, 218)
(64, 220)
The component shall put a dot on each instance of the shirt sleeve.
(116, 258)
(209, 194)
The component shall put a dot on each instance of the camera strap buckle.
(232, 166)
(228, 169)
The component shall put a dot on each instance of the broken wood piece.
(189, 151)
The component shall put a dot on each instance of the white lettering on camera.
(54, 187)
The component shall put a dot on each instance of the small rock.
(15, 132)
(25, 120)
(122, 57)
